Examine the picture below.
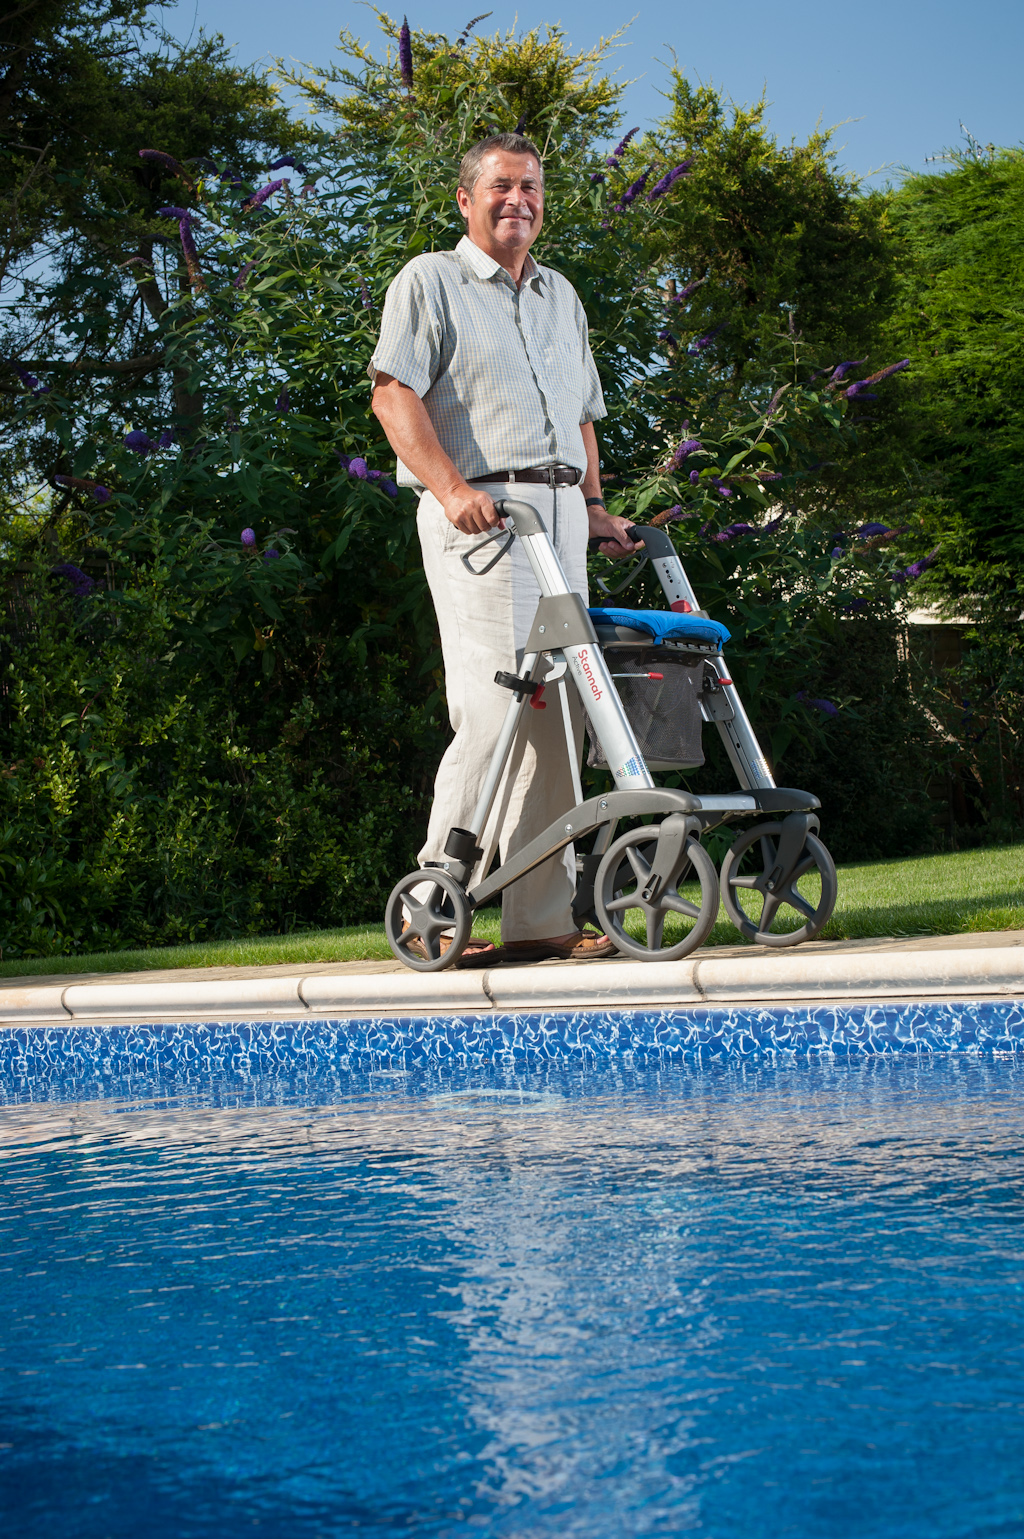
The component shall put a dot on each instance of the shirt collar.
(486, 267)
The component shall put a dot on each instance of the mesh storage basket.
(664, 711)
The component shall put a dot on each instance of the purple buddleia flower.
(857, 392)
(772, 524)
(886, 373)
(620, 150)
(694, 477)
(869, 531)
(283, 403)
(365, 295)
(686, 448)
(389, 487)
(271, 554)
(80, 484)
(918, 568)
(232, 178)
(769, 475)
(842, 369)
(722, 490)
(633, 191)
(257, 199)
(595, 177)
(81, 583)
(467, 29)
(670, 178)
(139, 442)
(854, 605)
(731, 531)
(343, 457)
(666, 336)
(773, 404)
(405, 54)
(171, 211)
(687, 291)
(165, 440)
(289, 160)
(188, 246)
(248, 537)
(357, 468)
(31, 383)
(520, 127)
(838, 553)
(701, 343)
(825, 706)
(168, 162)
(241, 277)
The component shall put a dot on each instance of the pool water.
(734, 1300)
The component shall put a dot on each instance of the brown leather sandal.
(478, 952)
(583, 946)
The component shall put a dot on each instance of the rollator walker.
(648, 680)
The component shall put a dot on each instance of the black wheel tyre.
(761, 844)
(618, 891)
(439, 911)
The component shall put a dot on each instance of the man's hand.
(612, 532)
(471, 510)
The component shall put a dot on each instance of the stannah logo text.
(589, 674)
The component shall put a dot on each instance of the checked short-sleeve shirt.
(506, 374)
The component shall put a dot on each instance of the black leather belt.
(546, 475)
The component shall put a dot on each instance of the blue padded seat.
(665, 625)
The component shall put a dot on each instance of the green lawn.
(933, 895)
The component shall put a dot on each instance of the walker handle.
(594, 545)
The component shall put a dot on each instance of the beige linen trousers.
(484, 624)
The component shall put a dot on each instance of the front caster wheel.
(629, 891)
(439, 921)
(762, 899)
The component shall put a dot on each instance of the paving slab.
(974, 966)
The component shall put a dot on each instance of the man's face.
(506, 211)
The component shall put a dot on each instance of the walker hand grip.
(594, 545)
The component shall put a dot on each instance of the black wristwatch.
(596, 502)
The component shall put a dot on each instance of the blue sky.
(899, 75)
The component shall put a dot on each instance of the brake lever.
(488, 539)
(624, 584)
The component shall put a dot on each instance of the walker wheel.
(810, 893)
(438, 911)
(674, 923)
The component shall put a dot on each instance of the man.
(486, 388)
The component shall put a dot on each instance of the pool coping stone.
(919, 972)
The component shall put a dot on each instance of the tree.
(961, 314)
(81, 81)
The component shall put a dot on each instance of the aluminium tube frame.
(735, 730)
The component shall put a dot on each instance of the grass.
(950, 894)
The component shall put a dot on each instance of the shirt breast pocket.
(565, 373)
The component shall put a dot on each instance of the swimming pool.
(770, 1293)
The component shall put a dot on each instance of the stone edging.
(762, 978)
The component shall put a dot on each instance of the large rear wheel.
(656, 918)
(772, 906)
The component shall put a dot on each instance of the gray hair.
(512, 144)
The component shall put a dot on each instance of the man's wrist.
(596, 502)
